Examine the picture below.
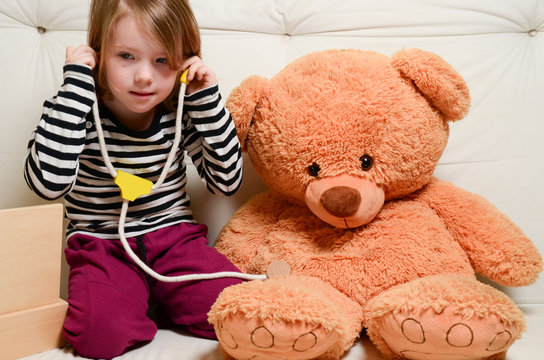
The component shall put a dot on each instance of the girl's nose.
(143, 74)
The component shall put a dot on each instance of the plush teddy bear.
(347, 142)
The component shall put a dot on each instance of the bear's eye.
(314, 169)
(366, 162)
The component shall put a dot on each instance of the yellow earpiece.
(183, 78)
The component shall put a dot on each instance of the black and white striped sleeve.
(211, 142)
(51, 164)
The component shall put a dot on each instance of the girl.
(137, 49)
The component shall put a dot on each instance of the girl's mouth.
(141, 94)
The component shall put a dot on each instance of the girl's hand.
(83, 55)
(199, 75)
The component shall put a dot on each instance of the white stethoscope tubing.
(124, 208)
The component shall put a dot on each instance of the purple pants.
(109, 294)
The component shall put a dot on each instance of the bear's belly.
(407, 240)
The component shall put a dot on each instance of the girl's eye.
(162, 61)
(125, 56)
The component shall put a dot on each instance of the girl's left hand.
(199, 75)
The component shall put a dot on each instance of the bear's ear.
(242, 104)
(436, 79)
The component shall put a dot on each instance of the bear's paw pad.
(429, 335)
(244, 338)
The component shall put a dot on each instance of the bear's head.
(343, 131)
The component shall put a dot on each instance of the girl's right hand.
(83, 55)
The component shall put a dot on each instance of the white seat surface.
(170, 345)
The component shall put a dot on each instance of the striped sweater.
(64, 158)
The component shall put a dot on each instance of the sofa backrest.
(496, 45)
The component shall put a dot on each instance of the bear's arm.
(496, 247)
(241, 237)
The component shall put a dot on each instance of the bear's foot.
(444, 317)
(260, 340)
(286, 317)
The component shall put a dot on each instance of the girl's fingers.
(192, 68)
(69, 52)
(189, 61)
(198, 71)
(198, 74)
(83, 54)
(202, 72)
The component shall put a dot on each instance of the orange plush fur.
(347, 141)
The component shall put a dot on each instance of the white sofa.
(497, 151)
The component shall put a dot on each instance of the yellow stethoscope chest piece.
(132, 186)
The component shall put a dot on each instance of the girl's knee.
(106, 339)
(106, 322)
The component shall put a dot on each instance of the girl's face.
(138, 75)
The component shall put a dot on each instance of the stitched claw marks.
(243, 339)
(428, 335)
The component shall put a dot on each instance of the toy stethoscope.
(133, 186)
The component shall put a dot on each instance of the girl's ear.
(243, 102)
(436, 79)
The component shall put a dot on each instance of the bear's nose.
(341, 201)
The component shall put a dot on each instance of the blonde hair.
(170, 22)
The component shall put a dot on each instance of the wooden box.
(30, 331)
(31, 312)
